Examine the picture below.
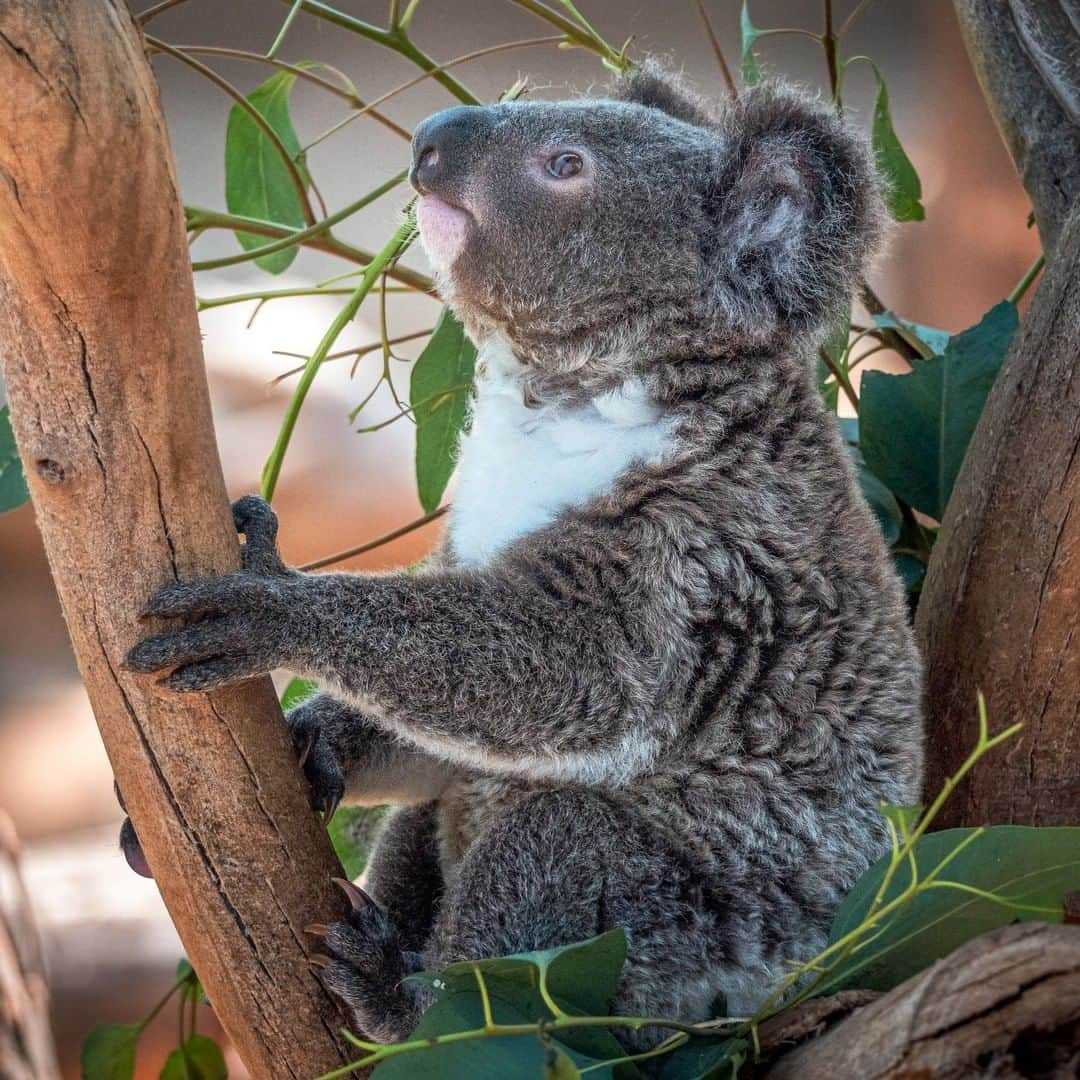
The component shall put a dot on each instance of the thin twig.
(433, 73)
(257, 118)
(152, 12)
(875, 306)
(841, 379)
(725, 71)
(371, 545)
(301, 73)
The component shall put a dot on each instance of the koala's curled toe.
(132, 849)
(364, 968)
(256, 520)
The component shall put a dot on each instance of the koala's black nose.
(443, 146)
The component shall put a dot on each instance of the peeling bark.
(103, 364)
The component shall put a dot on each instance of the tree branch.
(103, 365)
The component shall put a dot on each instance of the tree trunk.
(26, 1045)
(103, 363)
(1005, 1005)
(999, 612)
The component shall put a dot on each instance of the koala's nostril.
(429, 158)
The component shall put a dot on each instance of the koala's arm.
(539, 667)
(345, 754)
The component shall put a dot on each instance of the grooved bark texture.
(103, 363)
(1006, 1005)
(26, 1045)
(999, 612)
(1026, 55)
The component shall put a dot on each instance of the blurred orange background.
(110, 947)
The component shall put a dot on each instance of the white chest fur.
(519, 466)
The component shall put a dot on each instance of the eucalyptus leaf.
(13, 490)
(903, 188)
(935, 340)
(197, 1058)
(439, 396)
(257, 182)
(751, 70)
(1030, 868)
(915, 428)
(835, 348)
(704, 1059)
(109, 1052)
(298, 690)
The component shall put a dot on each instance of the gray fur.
(676, 707)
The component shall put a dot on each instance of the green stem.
(1028, 279)
(580, 33)
(396, 245)
(841, 378)
(396, 38)
(293, 11)
(257, 118)
(204, 304)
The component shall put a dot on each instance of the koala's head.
(599, 235)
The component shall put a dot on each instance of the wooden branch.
(999, 611)
(1025, 57)
(1006, 1004)
(102, 359)
(26, 1044)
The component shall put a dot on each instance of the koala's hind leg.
(562, 866)
(404, 875)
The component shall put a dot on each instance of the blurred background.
(109, 946)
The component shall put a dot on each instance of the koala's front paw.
(317, 755)
(365, 968)
(238, 623)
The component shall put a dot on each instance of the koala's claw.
(357, 897)
(316, 757)
(365, 966)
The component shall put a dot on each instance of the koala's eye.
(563, 166)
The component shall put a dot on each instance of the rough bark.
(26, 1045)
(1005, 1005)
(103, 364)
(1026, 55)
(999, 610)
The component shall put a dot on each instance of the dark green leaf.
(198, 1058)
(257, 183)
(297, 691)
(109, 1052)
(935, 340)
(581, 978)
(915, 428)
(903, 189)
(1026, 866)
(882, 502)
(352, 832)
(439, 395)
(192, 989)
(751, 71)
(13, 490)
(704, 1059)
(912, 571)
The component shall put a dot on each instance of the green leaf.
(558, 1065)
(109, 1052)
(197, 1058)
(1026, 866)
(751, 71)
(439, 395)
(192, 989)
(13, 491)
(704, 1059)
(915, 428)
(903, 189)
(297, 691)
(912, 571)
(882, 502)
(933, 339)
(581, 978)
(352, 832)
(257, 183)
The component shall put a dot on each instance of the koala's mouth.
(444, 229)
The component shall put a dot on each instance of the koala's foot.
(366, 967)
(317, 756)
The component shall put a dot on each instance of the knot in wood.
(51, 471)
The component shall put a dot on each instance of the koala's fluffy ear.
(796, 212)
(651, 85)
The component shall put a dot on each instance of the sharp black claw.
(309, 745)
(331, 808)
(357, 897)
(317, 960)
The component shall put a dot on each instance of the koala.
(660, 674)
